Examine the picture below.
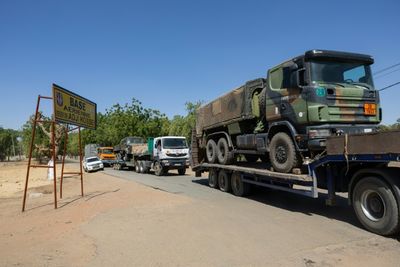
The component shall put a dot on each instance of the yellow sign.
(73, 109)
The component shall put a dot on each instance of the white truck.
(159, 154)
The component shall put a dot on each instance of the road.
(272, 227)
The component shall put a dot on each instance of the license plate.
(370, 109)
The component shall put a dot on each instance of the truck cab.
(170, 152)
(323, 93)
(106, 155)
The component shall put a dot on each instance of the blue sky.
(165, 53)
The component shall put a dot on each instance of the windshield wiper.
(334, 83)
(362, 84)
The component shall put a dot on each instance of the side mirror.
(294, 79)
(297, 78)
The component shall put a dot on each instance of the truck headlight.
(319, 133)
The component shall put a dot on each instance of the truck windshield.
(356, 73)
(106, 151)
(174, 143)
(135, 140)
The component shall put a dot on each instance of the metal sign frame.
(53, 122)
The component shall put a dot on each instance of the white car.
(92, 164)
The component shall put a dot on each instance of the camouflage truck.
(286, 117)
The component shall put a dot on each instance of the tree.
(42, 140)
(395, 126)
(8, 143)
(183, 125)
(127, 120)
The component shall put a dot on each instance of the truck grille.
(176, 154)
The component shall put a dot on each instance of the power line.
(387, 87)
(388, 68)
(386, 74)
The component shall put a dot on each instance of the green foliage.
(128, 120)
(395, 126)
(116, 123)
(183, 125)
(41, 138)
(8, 138)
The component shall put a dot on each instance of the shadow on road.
(302, 204)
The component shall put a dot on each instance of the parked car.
(92, 164)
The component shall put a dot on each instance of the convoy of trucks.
(159, 154)
(309, 125)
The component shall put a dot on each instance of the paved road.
(271, 226)
(198, 188)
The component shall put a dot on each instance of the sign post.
(70, 109)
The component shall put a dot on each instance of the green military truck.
(286, 117)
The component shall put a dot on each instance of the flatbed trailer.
(373, 186)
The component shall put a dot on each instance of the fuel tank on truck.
(238, 105)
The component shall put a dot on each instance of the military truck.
(286, 117)
(160, 154)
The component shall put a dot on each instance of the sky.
(165, 53)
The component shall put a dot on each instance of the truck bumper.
(108, 162)
(317, 135)
(175, 163)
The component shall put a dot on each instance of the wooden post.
(30, 153)
(53, 128)
(80, 158)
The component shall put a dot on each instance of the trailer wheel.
(182, 171)
(211, 151)
(213, 178)
(223, 154)
(283, 153)
(375, 206)
(224, 181)
(239, 188)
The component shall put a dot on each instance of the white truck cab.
(170, 152)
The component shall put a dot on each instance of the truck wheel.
(375, 206)
(182, 171)
(224, 155)
(142, 167)
(213, 178)
(251, 158)
(211, 151)
(239, 188)
(158, 169)
(283, 153)
(137, 167)
(224, 181)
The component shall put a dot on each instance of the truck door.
(284, 100)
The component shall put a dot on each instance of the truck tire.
(224, 181)
(142, 166)
(213, 178)
(223, 154)
(137, 167)
(211, 151)
(182, 171)
(158, 169)
(375, 206)
(282, 153)
(239, 188)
